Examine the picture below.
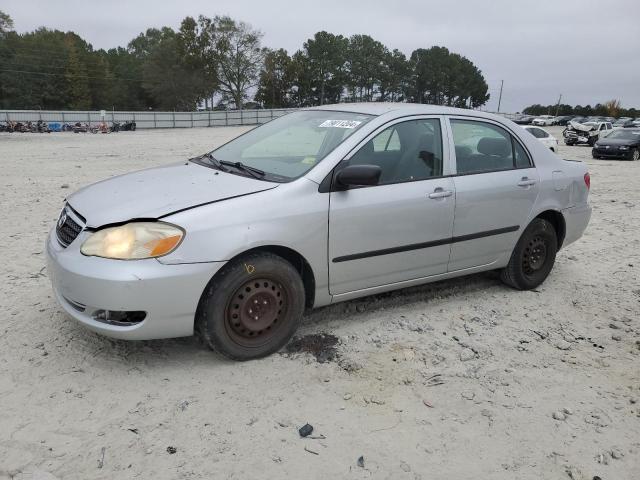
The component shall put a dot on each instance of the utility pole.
(558, 104)
(500, 97)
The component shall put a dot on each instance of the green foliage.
(443, 78)
(239, 57)
(169, 69)
(275, 88)
(612, 108)
(6, 23)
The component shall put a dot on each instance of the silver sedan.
(319, 206)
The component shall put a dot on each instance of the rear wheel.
(635, 156)
(252, 307)
(533, 257)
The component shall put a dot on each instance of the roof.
(380, 108)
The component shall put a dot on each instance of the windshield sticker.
(339, 124)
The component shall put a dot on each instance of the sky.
(585, 50)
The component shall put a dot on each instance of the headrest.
(498, 147)
(368, 147)
(426, 142)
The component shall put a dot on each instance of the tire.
(635, 156)
(533, 257)
(593, 154)
(263, 284)
(592, 140)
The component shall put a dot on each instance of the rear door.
(400, 229)
(496, 187)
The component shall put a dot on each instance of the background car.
(627, 123)
(545, 137)
(623, 143)
(523, 119)
(563, 120)
(544, 120)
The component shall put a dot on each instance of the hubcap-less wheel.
(255, 311)
(534, 256)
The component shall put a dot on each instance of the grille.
(67, 229)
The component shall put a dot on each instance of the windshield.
(625, 134)
(288, 147)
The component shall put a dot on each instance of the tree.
(324, 57)
(613, 108)
(394, 75)
(444, 78)
(198, 46)
(79, 96)
(170, 76)
(365, 58)
(239, 57)
(275, 88)
(6, 23)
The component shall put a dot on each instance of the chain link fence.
(152, 119)
(149, 119)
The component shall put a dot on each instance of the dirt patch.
(321, 345)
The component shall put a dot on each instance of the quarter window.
(484, 147)
(405, 152)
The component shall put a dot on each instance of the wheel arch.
(299, 262)
(556, 219)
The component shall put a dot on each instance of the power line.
(76, 76)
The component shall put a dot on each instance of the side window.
(481, 147)
(609, 126)
(522, 159)
(387, 141)
(405, 152)
(603, 126)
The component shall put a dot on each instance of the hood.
(581, 127)
(158, 192)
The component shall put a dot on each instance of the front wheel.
(533, 257)
(252, 307)
(635, 156)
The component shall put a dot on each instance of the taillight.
(587, 180)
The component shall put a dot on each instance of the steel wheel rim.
(636, 155)
(256, 311)
(534, 256)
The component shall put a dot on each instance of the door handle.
(440, 193)
(526, 182)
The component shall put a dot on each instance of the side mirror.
(359, 175)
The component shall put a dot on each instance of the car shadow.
(324, 319)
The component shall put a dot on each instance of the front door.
(400, 229)
(496, 188)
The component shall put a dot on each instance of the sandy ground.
(455, 380)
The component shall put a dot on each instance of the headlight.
(624, 147)
(133, 241)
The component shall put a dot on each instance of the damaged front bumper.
(127, 299)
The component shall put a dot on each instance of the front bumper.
(169, 294)
(612, 153)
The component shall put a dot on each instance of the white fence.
(149, 119)
(153, 119)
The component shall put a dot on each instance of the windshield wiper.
(254, 172)
(216, 163)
